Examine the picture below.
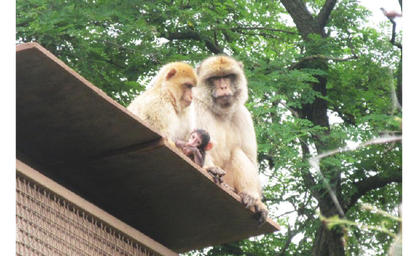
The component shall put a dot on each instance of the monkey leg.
(242, 174)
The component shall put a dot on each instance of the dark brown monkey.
(199, 142)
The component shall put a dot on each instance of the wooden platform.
(76, 135)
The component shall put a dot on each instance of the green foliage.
(119, 45)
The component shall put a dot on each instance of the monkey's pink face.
(195, 140)
(223, 89)
(180, 79)
(187, 95)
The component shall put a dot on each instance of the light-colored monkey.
(219, 99)
(165, 105)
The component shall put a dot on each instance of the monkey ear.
(241, 64)
(209, 146)
(198, 69)
(171, 73)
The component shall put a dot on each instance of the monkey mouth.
(186, 103)
(224, 100)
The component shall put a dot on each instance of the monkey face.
(186, 99)
(195, 140)
(179, 80)
(222, 85)
(223, 89)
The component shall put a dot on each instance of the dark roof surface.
(75, 134)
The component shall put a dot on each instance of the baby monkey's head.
(201, 139)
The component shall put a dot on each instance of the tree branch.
(291, 235)
(391, 16)
(263, 28)
(380, 180)
(403, 5)
(320, 56)
(393, 35)
(194, 36)
(307, 177)
(363, 186)
(301, 17)
(325, 13)
(348, 118)
(120, 46)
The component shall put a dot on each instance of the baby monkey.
(199, 142)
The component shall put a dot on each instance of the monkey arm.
(246, 181)
(180, 144)
(188, 150)
(198, 157)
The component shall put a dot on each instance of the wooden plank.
(82, 139)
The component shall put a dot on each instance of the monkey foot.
(250, 198)
(262, 210)
(217, 173)
(228, 187)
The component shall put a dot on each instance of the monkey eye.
(189, 86)
(214, 78)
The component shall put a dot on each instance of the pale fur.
(235, 148)
(214, 66)
(160, 105)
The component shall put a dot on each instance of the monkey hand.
(189, 150)
(216, 172)
(251, 198)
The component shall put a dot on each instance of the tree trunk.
(401, 79)
(403, 5)
(401, 76)
(316, 112)
(327, 242)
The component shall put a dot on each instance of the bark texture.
(327, 242)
